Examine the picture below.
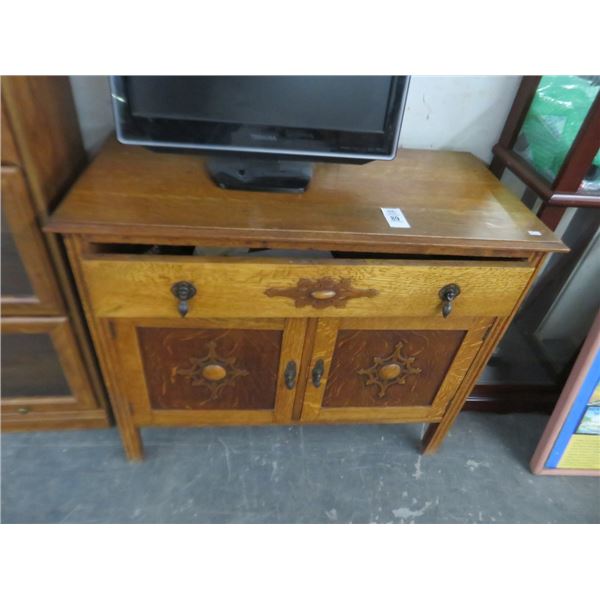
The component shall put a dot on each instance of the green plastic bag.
(559, 107)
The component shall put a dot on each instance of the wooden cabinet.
(225, 362)
(49, 374)
(349, 321)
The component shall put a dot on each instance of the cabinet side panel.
(46, 131)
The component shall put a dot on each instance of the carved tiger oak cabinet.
(348, 320)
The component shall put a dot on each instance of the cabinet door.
(42, 368)
(394, 369)
(8, 153)
(206, 371)
(29, 284)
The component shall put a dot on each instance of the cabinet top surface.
(452, 203)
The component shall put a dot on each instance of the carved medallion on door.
(208, 369)
(389, 368)
(212, 371)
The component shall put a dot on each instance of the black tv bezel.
(277, 142)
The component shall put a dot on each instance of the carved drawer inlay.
(321, 293)
(390, 370)
(211, 371)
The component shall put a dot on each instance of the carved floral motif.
(390, 370)
(211, 371)
(322, 292)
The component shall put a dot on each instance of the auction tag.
(395, 217)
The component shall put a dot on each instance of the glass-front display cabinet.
(549, 155)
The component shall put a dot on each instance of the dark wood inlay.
(321, 293)
(389, 368)
(211, 371)
(210, 368)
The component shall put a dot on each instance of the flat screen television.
(263, 132)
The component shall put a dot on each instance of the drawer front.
(124, 287)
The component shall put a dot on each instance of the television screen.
(338, 103)
(343, 117)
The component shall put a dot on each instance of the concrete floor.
(318, 474)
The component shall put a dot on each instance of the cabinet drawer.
(128, 286)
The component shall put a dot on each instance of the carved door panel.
(207, 371)
(390, 368)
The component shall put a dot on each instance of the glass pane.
(591, 181)
(30, 366)
(13, 277)
(543, 341)
(559, 107)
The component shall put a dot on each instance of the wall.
(92, 99)
(457, 113)
(452, 113)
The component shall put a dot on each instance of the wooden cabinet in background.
(348, 321)
(49, 372)
(29, 285)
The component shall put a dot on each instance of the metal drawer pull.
(317, 372)
(290, 375)
(183, 291)
(23, 410)
(448, 294)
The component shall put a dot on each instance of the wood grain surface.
(461, 221)
(467, 333)
(355, 352)
(41, 144)
(453, 204)
(44, 122)
(9, 153)
(130, 286)
(435, 433)
(249, 359)
(56, 419)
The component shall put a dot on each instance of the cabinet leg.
(132, 443)
(433, 437)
